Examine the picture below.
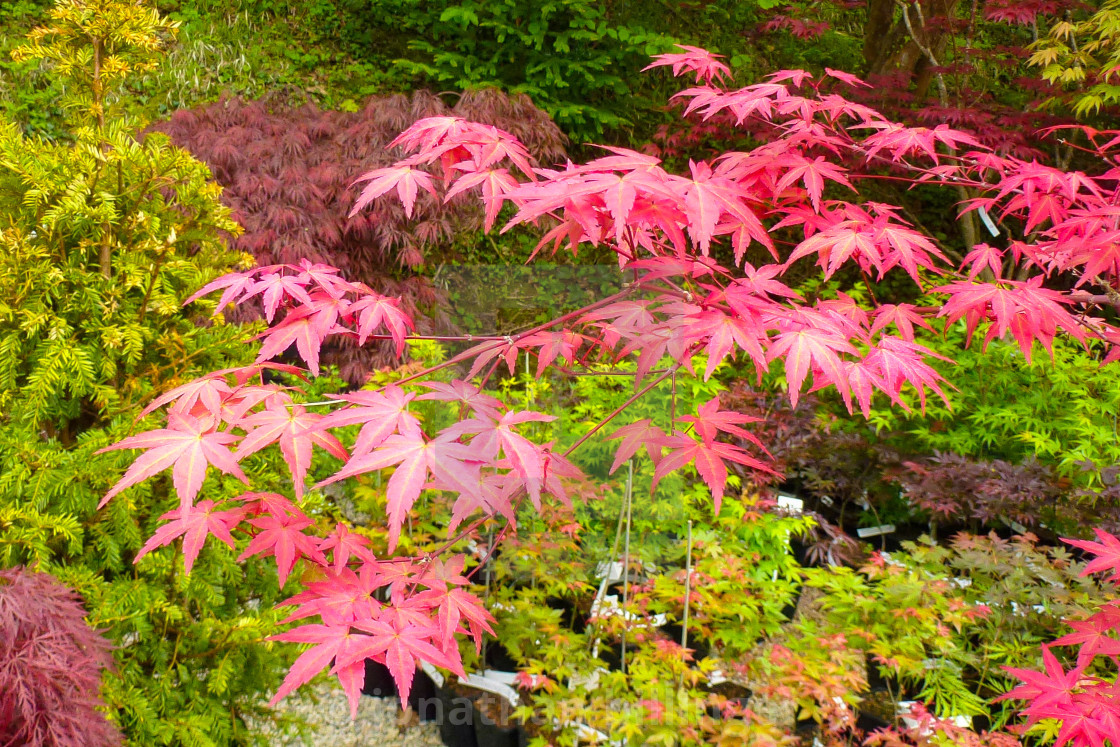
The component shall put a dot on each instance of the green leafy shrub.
(941, 622)
(574, 58)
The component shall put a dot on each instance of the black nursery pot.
(456, 719)
(790, 609)
(868, 722)
(571, 616)
(498, 657)
(876, 682)
(422, 697)
(489, 734)
(378, 682)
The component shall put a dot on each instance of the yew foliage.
(692, 298)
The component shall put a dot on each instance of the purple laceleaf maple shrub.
(50, 666)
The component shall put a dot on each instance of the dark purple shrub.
(50, 666)
(288, 177)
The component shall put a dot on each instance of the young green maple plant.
(682, 240)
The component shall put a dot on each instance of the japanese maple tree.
(691, 301)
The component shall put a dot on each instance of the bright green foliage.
(573, 58)
(101, 241)
(95, 47)
(1075, 53)
(190, 662)
(278, 49)
(743, 576)
(942, 621)
(1062, 410)
(101, 238)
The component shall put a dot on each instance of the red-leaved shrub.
(50, 666)
(288, 175)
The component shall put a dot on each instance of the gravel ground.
(379, 722)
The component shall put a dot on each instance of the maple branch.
(468, 354)
(1109, 298)
(618, 410)
(497, 540)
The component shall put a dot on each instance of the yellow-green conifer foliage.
(103, 233)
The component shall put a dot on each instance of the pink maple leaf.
(188, 445)
(465, 394)
(345, 544)
(274, 288)
(193, 524)
(405, 179)
(373, 311)
(380, 413)
(332, 642)
(283, 537)
(705, 64)
(415, 457)
(295, 430)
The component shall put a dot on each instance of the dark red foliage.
(996, 492)
(840, 471)
(50, 666)
(288, 175)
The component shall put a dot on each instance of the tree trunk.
(888, 46)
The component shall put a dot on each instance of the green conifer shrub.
(102, 236)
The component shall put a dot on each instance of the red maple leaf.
(635, 436)
(188, 445)
(1092, 637)
(1054, 687)
(283, 537)
(1107, 552)
(209, 390)
(1024, 308)
(400, 646)
(493, 437)
(817, 347)
(294, 428)
(903, 316)
(306, 327)
(343, 598)
(332, 642)
(234, 284)
(708, 458)
(709, 421)
(193, 524)
(345, 544)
